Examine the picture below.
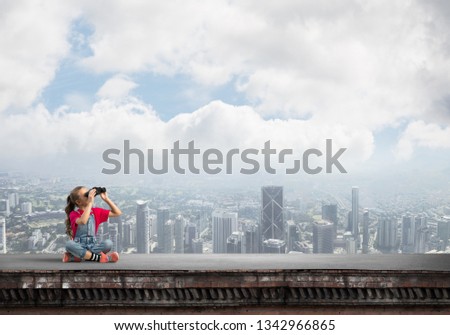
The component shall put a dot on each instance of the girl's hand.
(91, 196)
(104, 196)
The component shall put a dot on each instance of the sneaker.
(66, 257)
(111, 258)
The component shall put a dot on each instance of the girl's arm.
(115, 211)
(83, 219)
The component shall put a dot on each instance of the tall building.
(26, 208)
(126, 241)
(292, 235)
(190, 235)
(323, 237)
(13, 198)
(117, 221)
(252, 239)
(197, 246)
(114, 236)
(366, 222)
(162, 215)
(355, 212)
(274, 246)
(2, 235)
(236, 243)
(422, 237)
(272, 220)
(142, 228)
(223, 224)
(387, 234)
(180, 223)
(169, 234)
(4, 207)
(408, 234)
(329, 213)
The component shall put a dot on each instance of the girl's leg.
(78, 252)
(104, 247)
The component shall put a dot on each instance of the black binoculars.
(97, 189)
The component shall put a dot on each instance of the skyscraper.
(179, 234)
(387, 234)
(119, 231)
(408, 234)
(323, 237)
(272, 220)
(355, 212)
(4, 207)
(223, 224)
(292, 235)
(236, 243)
(142, 228)
(2, 235)
(329, 213)
(365, 244)
(169, 233)
(162, 215)
(252, 239)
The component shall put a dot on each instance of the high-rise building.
(26, 208)
(355, 212)
(197, 246)
(387, 234)
(366, 222)
(292, 235)
(169, 234)
(162, 215)
(2, 234)
(180, 223)
(323, 237)
(408, 234)
(272, 220)
(13, 198)
(126, 241)
(274, 246)
(329, 213)
(190, 235)
(114, 236)
(252, 238)
(350, 245)
(117, 221)
(422, 235)
(236, 243)
(223, 224)
(4, 207)
(142, 228)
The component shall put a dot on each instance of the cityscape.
(276, 219)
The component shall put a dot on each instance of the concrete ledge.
(271, 284)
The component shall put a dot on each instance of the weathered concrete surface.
(271, 284)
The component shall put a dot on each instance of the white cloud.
(425, 135)
(117, 87)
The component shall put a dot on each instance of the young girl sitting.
(82, 225)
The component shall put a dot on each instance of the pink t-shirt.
(100, 215)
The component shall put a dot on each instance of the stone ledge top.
(234, 262)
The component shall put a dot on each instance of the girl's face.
(82, 200)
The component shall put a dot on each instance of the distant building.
(2, 235)
(329, 213)
(117, 221)
(422, 237)
(323, 237)
(190, 235)
(126, 241)
(355, 212)
(26, 208)
(274, 246)
(180, 223)
(387, 234)
(366, 222)
(197, 246)
(169, 234)
(114, 236)
(408, 234)
(13, 198)
(223, 224)
(236, 243)
(4, 207)
(272, 220)
(142, 228)
(292, 235)
(162, 216)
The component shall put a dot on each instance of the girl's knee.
(108, 244)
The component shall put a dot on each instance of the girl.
(82, 225)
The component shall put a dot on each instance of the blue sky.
(370, 76)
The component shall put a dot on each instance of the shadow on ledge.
(227, 284)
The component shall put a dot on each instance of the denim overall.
(85, 240)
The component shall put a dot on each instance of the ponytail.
(71, 204)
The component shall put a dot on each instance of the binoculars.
(97, 189)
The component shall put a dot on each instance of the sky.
(80, 77)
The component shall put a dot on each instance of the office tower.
(2, 235)
(292, 235)
(223, 224)
(142, 228)
(26, 208)
(355, 213)
(190, 235)
(236, 243)
(350, 245)
(274, 246)
(126, 241)
(117, 221)
(422, 235)
(272, 221)
(366, 222)
(180, 223)
(13, 198)
(162, 215)
(329, 213)
(323, 237)
(443, 230)
(114, 236)
(387, 234)
(252, 238)
(197, 246)
(4, 207)
(169, 233)
(408, 234)
(349, 222)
